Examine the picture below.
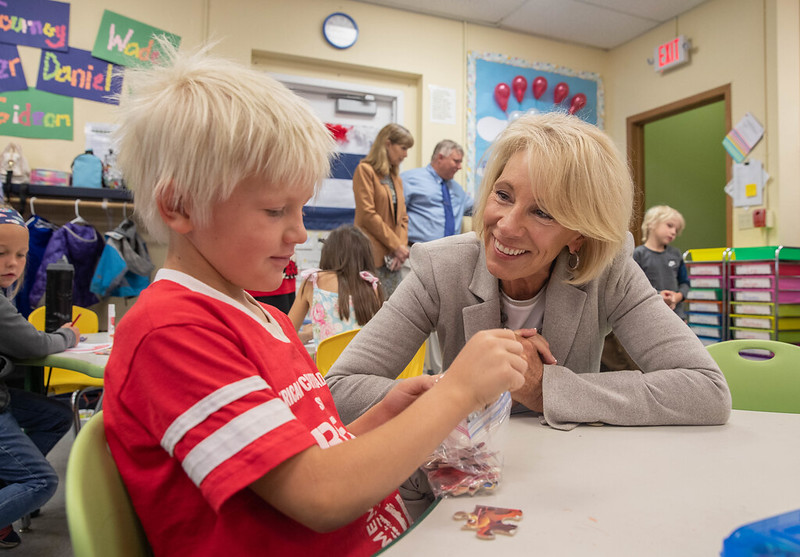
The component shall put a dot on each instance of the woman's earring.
(574, 260)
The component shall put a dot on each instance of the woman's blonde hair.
(657, 214)
(377, 157)
(196, 125)
(579, 177)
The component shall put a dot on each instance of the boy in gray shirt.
(663, 264)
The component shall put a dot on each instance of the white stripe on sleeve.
(231, 438)
(207, 406)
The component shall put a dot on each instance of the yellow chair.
(60, 381)
(416, 366)
(758, 383)
(329, 349)
(100, 515)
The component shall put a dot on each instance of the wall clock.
(340, 30)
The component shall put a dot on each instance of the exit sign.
(671, 53)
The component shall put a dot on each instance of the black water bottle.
(58, 295)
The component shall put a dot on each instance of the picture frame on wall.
(501, 88)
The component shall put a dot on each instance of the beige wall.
(738, 42)
(751, 44)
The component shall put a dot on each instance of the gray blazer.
(450, 290)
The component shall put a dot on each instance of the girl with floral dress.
(344, 293)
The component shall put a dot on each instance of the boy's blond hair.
(580, 178)
(195, 126)
(657, 214)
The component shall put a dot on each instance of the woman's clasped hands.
(536, 351)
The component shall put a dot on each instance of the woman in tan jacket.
(380, 205)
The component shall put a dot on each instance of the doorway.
(677, 159)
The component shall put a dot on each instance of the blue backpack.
(87, 171)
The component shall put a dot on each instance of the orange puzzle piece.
(488, 520)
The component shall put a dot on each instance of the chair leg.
(76, 414)
(25, 523)
(76, 404)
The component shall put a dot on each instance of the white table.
(627, 491)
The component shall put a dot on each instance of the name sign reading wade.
(128, 42)
(78, 74)
(36, 23)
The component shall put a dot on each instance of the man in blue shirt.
(435, 202)
(436, 205)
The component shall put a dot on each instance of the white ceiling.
(602, 24)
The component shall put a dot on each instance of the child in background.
(27, 479)
(347, 272)
(284, 296)
(223, 430)
(661, 262)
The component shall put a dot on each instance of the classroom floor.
(49, 536)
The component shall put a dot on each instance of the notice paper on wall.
(747, 186)
(743, 137)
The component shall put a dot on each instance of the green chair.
(100, 515)
(757, 383)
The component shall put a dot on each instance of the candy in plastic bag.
(469, 459)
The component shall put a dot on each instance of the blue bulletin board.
(501, 88)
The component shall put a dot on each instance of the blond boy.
(224, 432)
(662, 263)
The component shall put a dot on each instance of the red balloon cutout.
(501, 95)
(578, 102)
(539, 87)
(519, 84)
(561, 92)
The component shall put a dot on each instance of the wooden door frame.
(635, 133)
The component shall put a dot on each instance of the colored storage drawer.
(705, 318)
(706, 331)
(704, 306)
(705, 282)
(792, 337)
(765, 322)
(784, 283)
(769, 253)
(784, 296)
(756, 308)
(708, 269)
(704, 294)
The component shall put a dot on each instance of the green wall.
(684, 167)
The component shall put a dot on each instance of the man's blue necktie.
(449, 221)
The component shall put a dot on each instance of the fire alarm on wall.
(760, 218)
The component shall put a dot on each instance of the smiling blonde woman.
(551, 259)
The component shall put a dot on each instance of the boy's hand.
(536, 352)
(538, 342)
(404, 393)
(670, 297)
(489, 364)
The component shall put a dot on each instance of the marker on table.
(75, 320)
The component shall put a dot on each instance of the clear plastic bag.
(469, 460)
